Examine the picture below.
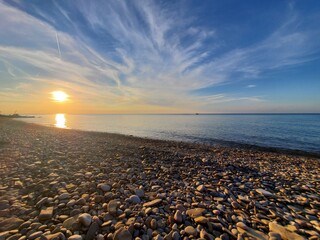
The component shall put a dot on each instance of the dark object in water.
(15, 115)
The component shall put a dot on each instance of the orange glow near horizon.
(59, 96)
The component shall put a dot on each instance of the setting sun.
(59, 96)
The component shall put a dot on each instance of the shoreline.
(73, 184)
(210, 143)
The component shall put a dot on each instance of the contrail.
(58, 44)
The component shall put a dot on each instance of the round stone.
(190, 231)
(135, 199)
(139, 192)
(104, 187)
(85, 219)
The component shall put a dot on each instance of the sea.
(280, 131)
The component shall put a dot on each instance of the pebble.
(108, 187)
(71, 223)
(284, 232)
(152, 203)
(205, 235)
(112, 207)
(196, 212)
(274, 235)
(10, 224)
(191, 231)
(139, 193)
(264, 192)
(178, 216)
(104, 187)
(135, 199)
(242, 225)
(93, 229)
(85, 219)
(175, 236)
(46, 214)
(35, 235)
(75, 237)
(201, 219)
(64, 196)
(42, 202)
(55, 236)
(122, 234)
(253, 233)
(201, 188)
(153, 224)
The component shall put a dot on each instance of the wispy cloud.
(58, 44)
(251, 86)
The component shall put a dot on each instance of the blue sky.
(160, 56)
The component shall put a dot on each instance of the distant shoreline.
(16, 116)
(210, 143)
(196, 113)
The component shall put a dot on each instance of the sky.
(145, 56)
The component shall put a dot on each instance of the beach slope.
(68, 184)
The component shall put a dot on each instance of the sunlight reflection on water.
(300, 132)
(60, 121)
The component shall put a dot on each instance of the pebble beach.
(69, 184)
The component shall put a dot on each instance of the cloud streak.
(58, 44)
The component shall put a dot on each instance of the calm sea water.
(299, 132)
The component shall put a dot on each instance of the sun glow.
(59, 96)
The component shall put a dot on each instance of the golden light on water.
(59, 96)
(60, 121)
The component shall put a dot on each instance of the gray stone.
(112, 207)
(42, 202)
(71, 223)
(139, 193)
(85, 219)
(4, 204)
(178, 216)
(94, 227)
(175, 236)
(104, 187)
(64, 196)
(135, 199)
(264, 192)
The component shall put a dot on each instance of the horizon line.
(194, 113)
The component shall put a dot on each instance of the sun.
(59, 96)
